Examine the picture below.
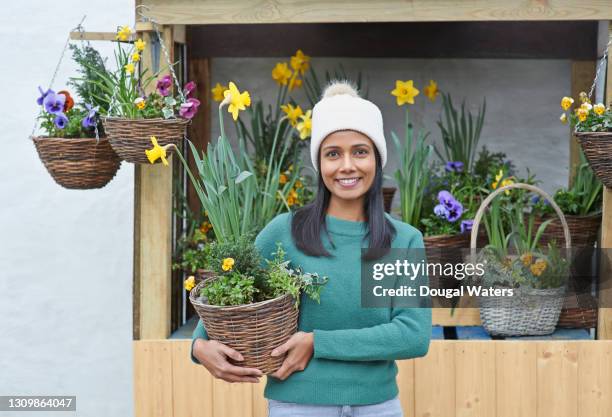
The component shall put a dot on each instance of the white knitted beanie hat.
(341, 108)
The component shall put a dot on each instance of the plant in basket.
(135, 113)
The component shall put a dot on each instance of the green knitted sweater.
(355, 348)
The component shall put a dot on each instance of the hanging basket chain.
(602, 61)
(57, 67)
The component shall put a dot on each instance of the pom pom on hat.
(341, 108)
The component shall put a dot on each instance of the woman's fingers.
(241, 371)
(232, 353)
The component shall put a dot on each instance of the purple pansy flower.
(188, 89)
(454, 166)
(90, 120)
(189, 108)
(446, 198)
(440, 210)
(43, 94)
(454, 212)
(163, 85)
(60, 120)
(54, 103)
(466, 225)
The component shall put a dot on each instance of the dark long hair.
(308, 221)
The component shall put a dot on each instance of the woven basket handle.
(532, 188)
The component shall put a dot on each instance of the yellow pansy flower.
(563, 118)
(157, 152)
(290, 201)
(140, 103)
(566, 102)
(281, 73)
(298, 184)
(582, 114)
(305, 126)
(527, 258)
(129, 68)
(431, 90)
(189, 283)
(135, 57)
(124, 33)
(237, 100)
(217, 92)
(205, 227)
(405, 92)
(599, 108)
(228, 264)
(584, 98)
(299, 62)
(140, 45)
(282, 179)
(538, 267)
(293, 113)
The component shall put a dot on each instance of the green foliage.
(460, 132)
(247, 259)
(74, 128)
(314, 89)
(91, 67)
(231, 289)
(193, 259)
(488, 165)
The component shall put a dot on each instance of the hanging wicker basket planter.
(78, 163)
(254, 329)
(531, 311)
(131, 137)
(597, 147)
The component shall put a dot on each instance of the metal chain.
(57, 67)
(599, 67)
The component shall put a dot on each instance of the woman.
(341, 362)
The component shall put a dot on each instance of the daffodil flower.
(124, 33)
(305, 126)
(599, 108)
(294, 82)
(237, 100)
(129, 68)
(189, 283)
(157, 152)
(135, 57)
(228, 264)
(217, 92)
(281, 73)
(140, 45)
(566, 102)
(299, 62)
(405, 92)
(293, 113)
(431, 90)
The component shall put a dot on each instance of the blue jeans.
(389, 408)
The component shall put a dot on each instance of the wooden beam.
(583, 73)
(153, 233)
(511, 40)
(93, 36)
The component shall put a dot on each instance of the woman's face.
(348, 164)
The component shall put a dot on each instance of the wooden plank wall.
(455, 379)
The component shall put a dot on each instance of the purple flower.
(163, 85)
(90, 120)
(440, 210)
(466, 225)
(43, 94)
(54, 103)
(454, 212)
(60, 120)
(189, 108)
(456, 166)
(188, 89)
(446, 198)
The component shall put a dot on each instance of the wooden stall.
(456, 378)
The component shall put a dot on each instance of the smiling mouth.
(348, 182)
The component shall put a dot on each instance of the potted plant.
(513, 260)
(134, 116)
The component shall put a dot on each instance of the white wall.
(65, 256)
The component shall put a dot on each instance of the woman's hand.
(213, 355)
(300, 347)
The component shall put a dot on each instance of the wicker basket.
(597, 147)
(78, 163)
(254, 330)
(131, 137)
(530, 311)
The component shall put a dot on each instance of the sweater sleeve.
(405, 336)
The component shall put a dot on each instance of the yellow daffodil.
(405, 92)
(217, 92)
(228, 264)
(124, 33)
(140, 45)
(237, 100)
(135, 57)
(527, 258)
(599, 108)
(563, 118)
(281, 73)
(538, 267)
(298, 184)
(582, 114)
(282, 179)
(431, 90)
(189, 283)
(129, 68)
(566, 102)
(293, 113)
(157, 152)
(299, 62)
(140, 103)
(498, 178)
(294, 82)
(305, 126)
(584, 98)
